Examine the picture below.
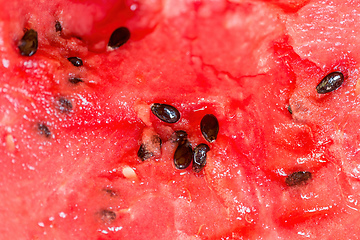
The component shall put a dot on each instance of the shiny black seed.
(119, 37)
(107, 216)
(199, 159)
(183, 155)
(330, 82)
(43, 130)
(209, 126)
(77, 62)
(179, 137)
(297, 178)
(289, 109)
(75, 80)
(64, 105)
(165, 112)
(58, 26)
(28, 44)
(145, 152)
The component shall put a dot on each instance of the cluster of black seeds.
(28, 46)
(184, 154)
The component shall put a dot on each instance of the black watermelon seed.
(107, 216)
(183, 155)
(297, 178)
(289, 109)
(58, 26)
(179, 137)
(209, 126)
(119, 37)
(64, 105)
(77, 62)
(199, 160)
(75, 80)
(43, 130)
(165, 112)
(330, 82)
(28, 44)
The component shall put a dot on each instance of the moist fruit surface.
(179, 119)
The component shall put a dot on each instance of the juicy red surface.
(243, 61)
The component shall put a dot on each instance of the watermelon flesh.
(68, 149)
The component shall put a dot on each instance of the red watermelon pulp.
(85, 155)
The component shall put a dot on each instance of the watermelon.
(179, 119)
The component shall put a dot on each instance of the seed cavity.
(107, 216)
(64, 105)
(298, 178)
(119, 37)
(330, 82)
(149, 149)
(209, 126)
(199, 159)
(183, 155)
(143, 153)
(28, 44)
(165, 112)
(43, 130)
(77, 62)
(110, 192)
(75, 80)
(58, 26)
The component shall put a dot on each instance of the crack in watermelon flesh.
(70, 133)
